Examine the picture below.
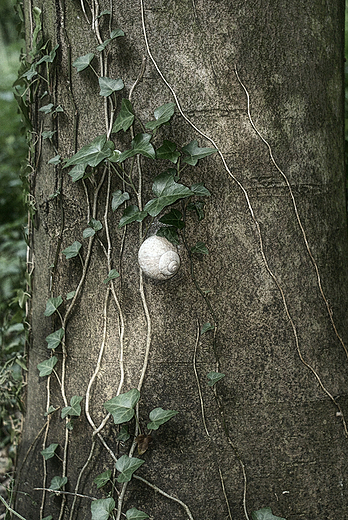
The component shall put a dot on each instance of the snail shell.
(158, 258)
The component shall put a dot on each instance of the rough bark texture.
(285, 429)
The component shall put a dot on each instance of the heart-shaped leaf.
(140, 145)
(125, 118)
(158, 416)
(170, 233)
(206, 327)
(135, 514)
(265, 514)
(74, 408)
(168, 151)
(173, 218)
(49, 452)
(52, 305)
(47, 108)
(122, 406)
(167, 191)
(111, 276)
(118, 198)
(58, 482)
(55, 338)
(83, 62)
(93, 153)
(124, 434)
(132, 214)
(102, 508)
(127, 466)
(103, 478)
(46, 367)
(73, 250)
(78, 172)
(200, 190)
(94, 226)
(109, 85)
(195, 153)
(162, 115)
(200, 248)
(114, 34)
(214, 377)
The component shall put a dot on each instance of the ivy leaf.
(195, 153)
(127, 466)
(103, 478)
(48, 134)
(135, 514)
(46, 367)
(118, 198)
(70, 295)
(55, 160)
(108, 86)
(125, 118)
(93, 153)
(74, 409)
(167, 191)
(162, 116)
(159, 416)
(55, 338)
(83, 62)
(173, 218)
(52, 305)
(121, 407)
(49, 517)
(197, 206)
(206, 327)
(114, 34)
(102, 508)
(78, 171)
(123, 435)
(170, 233)
(200, 190)
(214, 377)
(168, 151)
(49, 58)
(265, 514)
(140, 145)
(58, 482)
(132, 214)
(94, 226)
(49, 452)
(50, 410)
(200, 248)
(47, 108)
(111, 276)
(73, 250)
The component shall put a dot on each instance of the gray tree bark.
(262, 81)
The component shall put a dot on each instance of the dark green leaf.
(214, 377)
(195, 153)
(29, 74)
(103, 13)
(74, 409)
(109, 85)
(55, 338)
(49, 58)
(162, 115)
(198, 207)
(170, 233)
(200, 190)
(49, 452)
(113, 35)
(125, 118)
(159, 416)
(102, 508)
(118, 198)
(78, 171)
(265, 514)
(140, 145)
(206, 327)
(73, 250)
(131, 214)
(94, 226)
(52, 305)
(121, 407)
(93, 153)
(103, 478)
(200, 248)
(123, 435)
(168, 151)
(83, 62)
(46, 367)
(58, 482)
(51, 409)
(111, 276)
(173, 218)
(135, 514)
(167, 192)
(127, 466)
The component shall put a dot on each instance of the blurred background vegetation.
(13, 150)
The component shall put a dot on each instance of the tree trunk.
(262, 82)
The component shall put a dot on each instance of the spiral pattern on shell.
(158, 258)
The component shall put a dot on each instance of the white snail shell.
(158, 258)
